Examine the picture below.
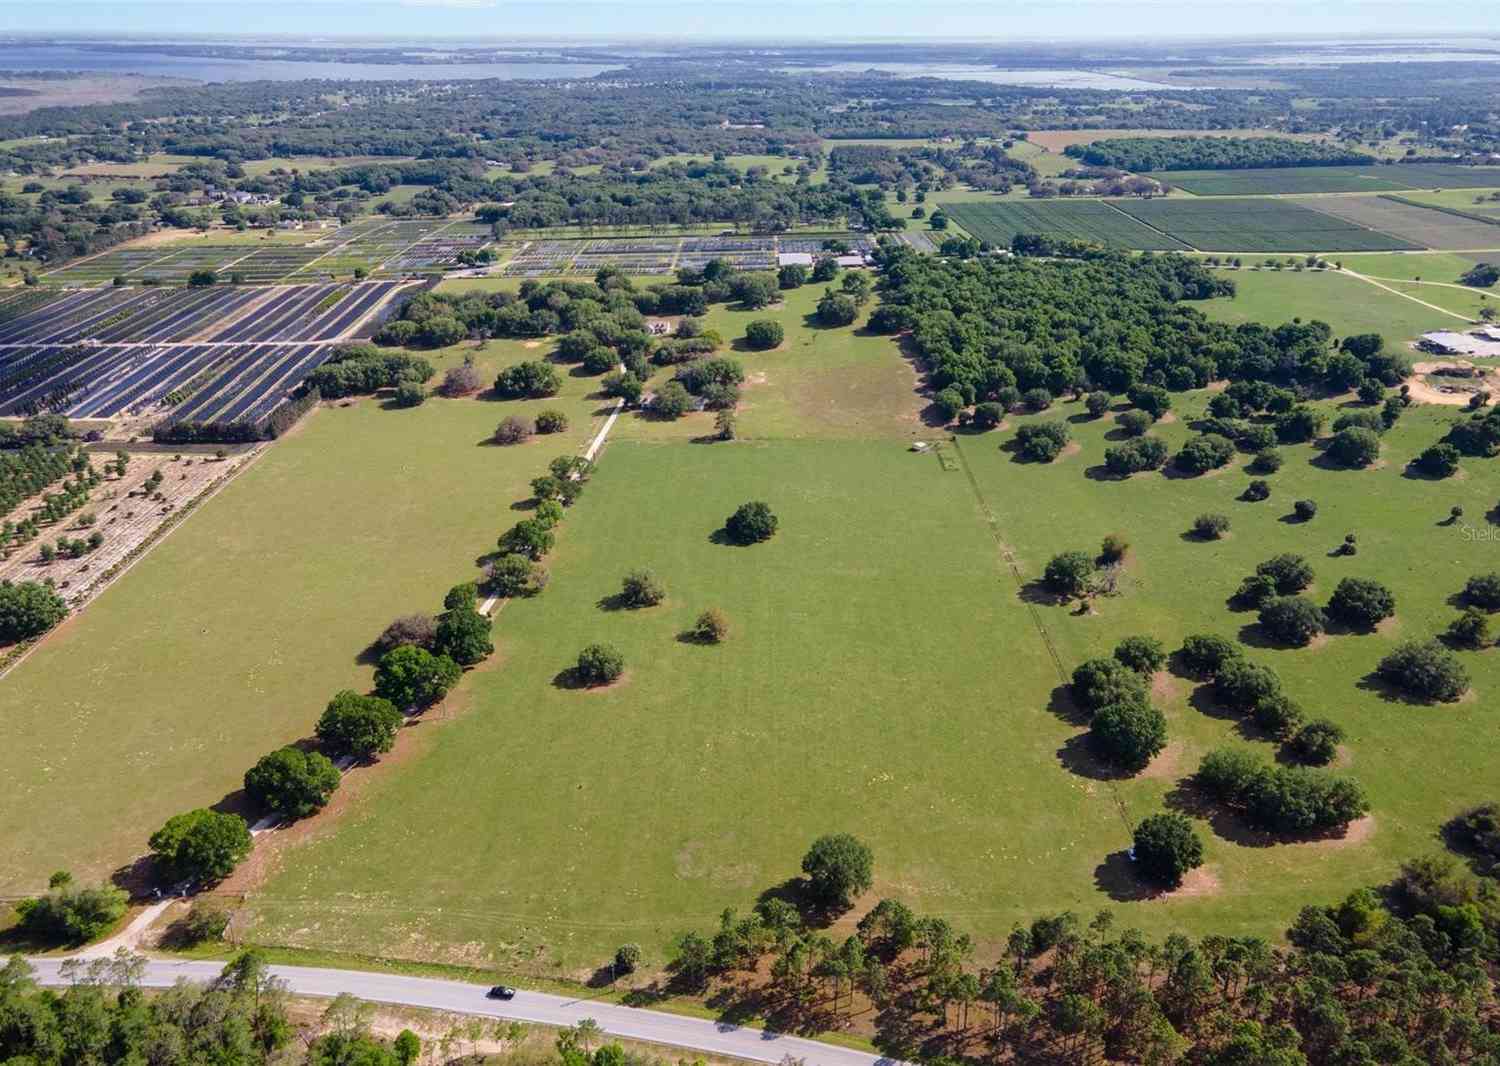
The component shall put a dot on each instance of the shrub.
(69, 914)
(417, 629)
(1361, 603)
(1471, 629)
(1478, 830)
(414, 677)
(1210, 526)
(28, 609)
(1128, 734)
(1266, 461)
(1037, 399)
(1292, 620)
(463, 595)
(1113, 547)
(551, 421)
(1255, 590)
(408, 394)
(1144, 655)
(1099, 682)
(1440, 460)
(1204, 453)
(1354, 446)
(1068, 573)
(1305, 510)
(711, 627)
(1256, 491)
(1135, 456)
(533, 379)
(531, 537)
(514, 575)
(838, 867)
(642, 588)
(988, 415)
(1166, 848)
(463, 635)
(1153, 399)
(1227, 773)
(1097, 403)
(599, 664)
(1317, 742)
(1041, 442)
(202, 845)
(1299, 425)
(1483, 590)
(1134, 422)
(1278, 715)
(1205, 654)
(291, 782)
(1289, 571)
(600, 359)
(949, 402)
(751, 523)
(671, 401)
(764, 334)
(1255, 440)
(836, 309)
(513, 429)
(1426, 670)
(461, 380)
(206, 922)
(627, 387)
(358, 726)
(627, 958)
(1240, 685)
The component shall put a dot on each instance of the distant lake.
(1051, 79)
(206, 68)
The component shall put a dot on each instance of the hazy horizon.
(790, 21)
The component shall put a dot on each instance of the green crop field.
(1257, 226)
(1425, 226)
(1087, 220)
(1279, 180)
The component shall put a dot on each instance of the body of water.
(1048, 79)
(207, 68)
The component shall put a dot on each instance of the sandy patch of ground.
(1456, 395)
(1163, 686)
(1166, 765)
(1358, 832)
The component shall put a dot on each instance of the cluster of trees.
(363, 368)
(243, 1016)
(1364, 980)
(1290, 800)
(1109, 322)
(1213, 153)
(1125, 730)
(28, 609)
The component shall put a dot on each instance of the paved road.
(654, 1026)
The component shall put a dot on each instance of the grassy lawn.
(1043, 510)
(1425, 266)
(132, 712)
(1347, 304)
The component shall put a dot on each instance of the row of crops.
(1174, 224)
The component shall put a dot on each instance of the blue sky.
(721, 19)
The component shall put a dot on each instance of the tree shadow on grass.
(1078, 757)
(1374, 683)
(1037, 592)
(1065, 708)
(1202, 700)
(1116, 878)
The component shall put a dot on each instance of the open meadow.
(129, 712)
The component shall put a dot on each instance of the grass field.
(1089, 220)
(1436, 266)
(1475, 201)
(1257, 226)
(131, 712)
(1345, 303)
(884, 675)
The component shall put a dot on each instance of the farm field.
(661, 254)
(1088, 220)
(1379, 178)
(129, 713)
(535, 888)
(1256, 226)
(1458, 200)
(126, 516)
(1420, 225)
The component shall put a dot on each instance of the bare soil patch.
(1167, 764)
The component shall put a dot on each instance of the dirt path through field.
(1405, 296)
